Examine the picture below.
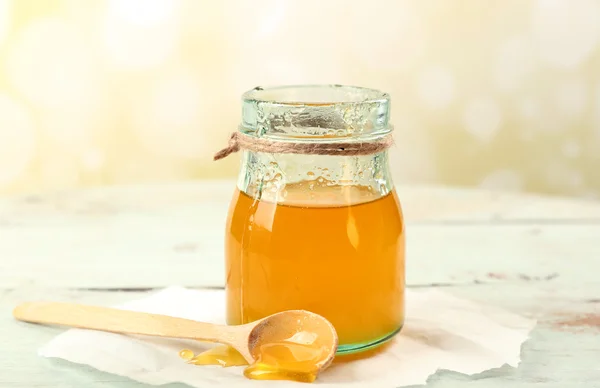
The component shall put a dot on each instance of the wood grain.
(125, 322)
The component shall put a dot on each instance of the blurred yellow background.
(495, 94)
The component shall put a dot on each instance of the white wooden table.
(535, 256)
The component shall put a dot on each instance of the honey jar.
(315, 222)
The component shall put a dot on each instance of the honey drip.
(286, 361)
(296, 358)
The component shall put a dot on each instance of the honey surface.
(337, 251)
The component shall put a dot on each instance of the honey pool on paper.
(219, 355)
(294, 359)
(337, 251)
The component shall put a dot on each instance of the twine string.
(239, 141)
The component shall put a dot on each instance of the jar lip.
(315, 95)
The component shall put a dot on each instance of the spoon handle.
(121, 321)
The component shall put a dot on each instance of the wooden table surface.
(535, 256)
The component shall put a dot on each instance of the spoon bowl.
(297, 326)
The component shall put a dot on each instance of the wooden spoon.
(246, 339)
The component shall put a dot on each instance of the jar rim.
(315, 111)
(315, 94)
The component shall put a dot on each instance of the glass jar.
(323, 233)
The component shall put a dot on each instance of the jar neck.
(320, 179)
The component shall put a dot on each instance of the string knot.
(232, 146)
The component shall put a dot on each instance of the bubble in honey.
(310, 173)
(186, 354)
(303, 337)
(320, 179)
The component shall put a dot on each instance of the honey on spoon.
(290, 345)
(294, 358)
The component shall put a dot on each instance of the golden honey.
(219, 355)
(286, 361)
(334, 250)
(294, 358)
